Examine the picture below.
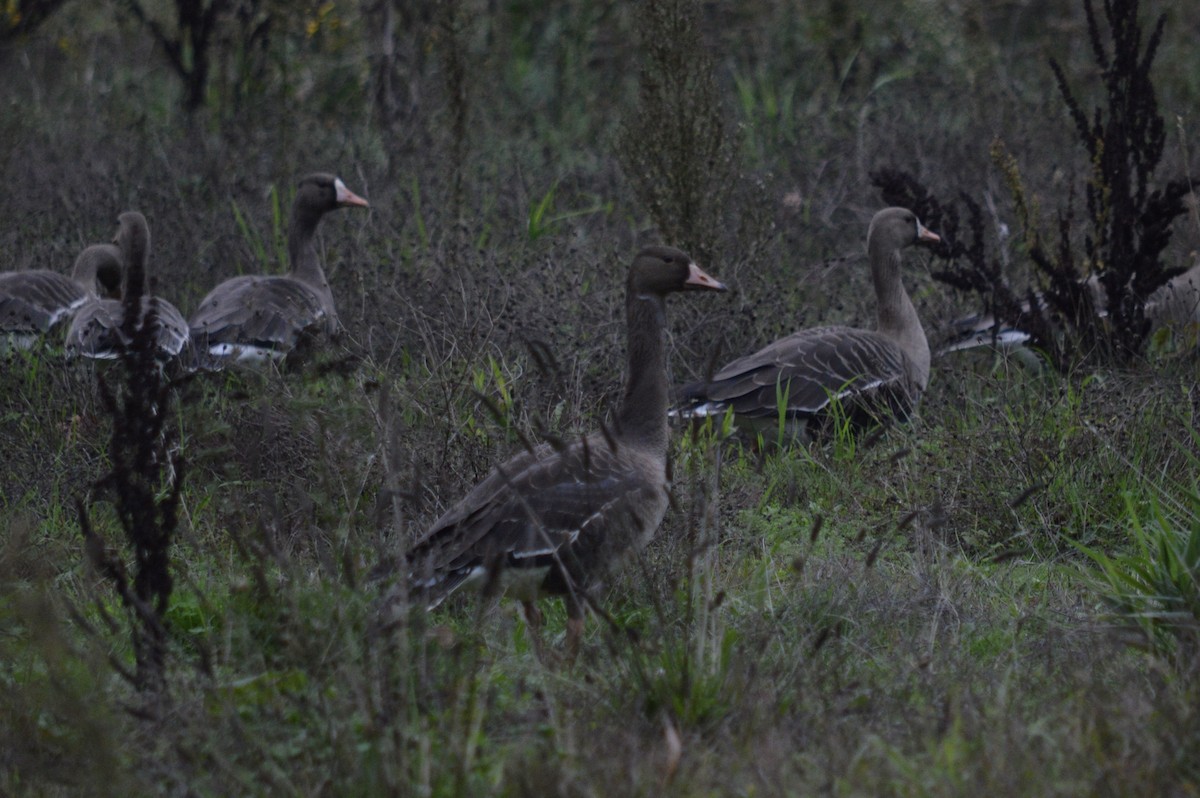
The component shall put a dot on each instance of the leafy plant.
(1128, 226)
(769, 108)
(146, 479)
(1155, 589)
(454, 29)
(23, 17)
(542, 216)
(258, 247)
(1091, 305)
(687, 669)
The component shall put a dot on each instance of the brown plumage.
(95, 330)
(551, 520)
(255, 318)
(35, 301)
(874, 373)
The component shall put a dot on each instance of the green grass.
(1154, 589)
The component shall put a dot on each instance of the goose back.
(35, 301)
(97, 333)
(255, 318)
(545, 521)
(96, 330)
(809, 369)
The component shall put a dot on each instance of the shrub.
(1127, 226)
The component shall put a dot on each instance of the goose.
(33, 302)
(869, 371)
(554, 518)
(95, 330)
(1173, 306)
(259, 318)
(982, 329)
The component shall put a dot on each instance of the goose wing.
(95, 330)
(34, 301)
(173, 333)
(258, 312)
(544, 518)
(811, 367)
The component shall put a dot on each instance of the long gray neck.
(897, 316)
(306, 264)
(86, 271)
(642, 418)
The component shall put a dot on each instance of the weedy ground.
(919, 613)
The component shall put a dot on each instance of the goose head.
(321, 192)
(896, 228)
(658, 271)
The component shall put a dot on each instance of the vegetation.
(1091, 303)
(944, 609)
(674, 148)
(143, 463)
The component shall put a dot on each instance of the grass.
(912, 614)
(1153, 589)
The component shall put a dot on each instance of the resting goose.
(32, 302)
(869, 371)
(256, 318)
(96, 328)
(1175, 305)
(552, 519)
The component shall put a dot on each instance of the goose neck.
(895, 307)
(642, 417)
(897, 317)
(302, 250)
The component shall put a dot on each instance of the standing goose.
(869, 371)
(96, 328)
(255, 318)
(552, 519)
(32, 302)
